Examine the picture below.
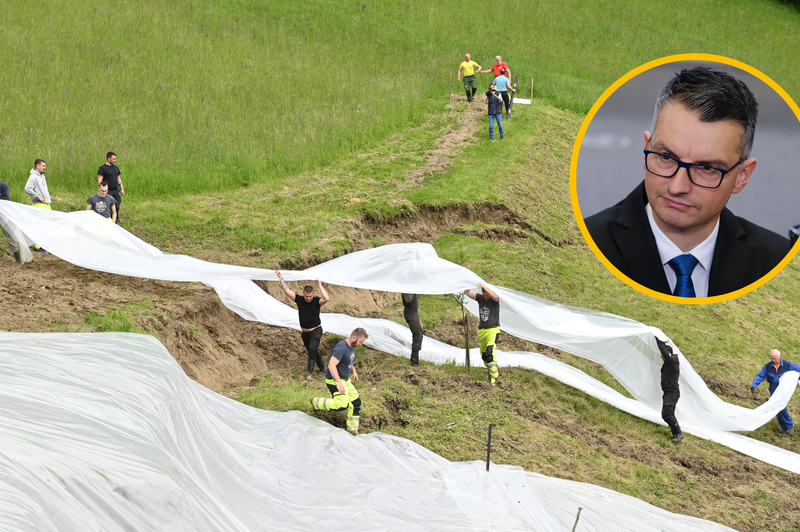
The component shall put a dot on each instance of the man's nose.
(680, 182)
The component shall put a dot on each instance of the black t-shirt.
(309, 311)
(110, 175)
(4, 195)
(670, 369)
(488, 312)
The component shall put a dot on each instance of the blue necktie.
(683, 265)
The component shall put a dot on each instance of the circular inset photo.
(683, 178)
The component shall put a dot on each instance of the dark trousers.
(416, 336)
(668, 411)
(117, 197)
(506, 99)
(311, 341)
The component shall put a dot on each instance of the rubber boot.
(19, 259)
(415, 358)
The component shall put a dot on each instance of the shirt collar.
(667, 250)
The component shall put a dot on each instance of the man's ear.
(748, 167)
(646, 140)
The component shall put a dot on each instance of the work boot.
(789, 430)
(677, 437)
(415, 359)
(19, 259)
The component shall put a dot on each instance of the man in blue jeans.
(495, 111)
(772, 372)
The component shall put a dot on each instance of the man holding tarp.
(337, 378)
(308, 307)
(670, 374)
(772, 372)
(411, 315)
(488, 328)
(5, 195)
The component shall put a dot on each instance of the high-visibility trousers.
(488, 340)
(350, 401)
(45, 206)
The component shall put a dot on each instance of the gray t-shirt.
(346, 356)
(102, 206)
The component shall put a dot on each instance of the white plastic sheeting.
(102, 438)
(626, 348)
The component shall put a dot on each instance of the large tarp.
(626, 348)
(102, 438)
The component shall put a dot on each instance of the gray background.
(610, 159)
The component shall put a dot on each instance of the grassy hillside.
(282, 134)
(208, 95)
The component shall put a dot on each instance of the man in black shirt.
(110, 173)
(488, 328)
(308, 307)
(411, 314)
(670, 373)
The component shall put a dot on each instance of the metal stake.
(489, 452)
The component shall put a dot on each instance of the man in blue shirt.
(337, 378)
(772, 372)
(503, 84)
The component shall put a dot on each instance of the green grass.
(124, 319)
(200, 96)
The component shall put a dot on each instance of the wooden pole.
(489, 453)
(450, 94)
(531, 89)
(577, 518)
(466, 334)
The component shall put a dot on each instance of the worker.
(411, 315)
(772, 372)
(308, 308)
(488, 328)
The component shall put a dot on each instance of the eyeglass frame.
(682, 164)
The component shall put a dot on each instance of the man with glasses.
(673, 233)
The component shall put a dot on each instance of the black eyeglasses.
(702, 175)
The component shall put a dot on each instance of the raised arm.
(285, 287)
(469, 293)
(325, 297)
(488, 292)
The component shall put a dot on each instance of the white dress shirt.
(703, 252)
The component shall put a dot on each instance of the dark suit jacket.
(744, 252)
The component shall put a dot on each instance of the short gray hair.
(716, 95)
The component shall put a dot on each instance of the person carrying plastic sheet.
(772, 372)
(338, 379)
(308, 307)
(6, 196)
(37, 188)
(670, 374)
(411, 315)
(488, 328)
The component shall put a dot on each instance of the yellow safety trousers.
(487, 338)
(340, 402)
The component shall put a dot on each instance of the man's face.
(775, 356)
(466, 56)
(308, 296)
(102, 191)
(679, 206)
(41, 167)
(358, 341)
(112, 159)
(499, 59)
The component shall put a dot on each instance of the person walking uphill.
(495, 103)
(109, 172)
(488, 328)
(411, 315)
(670, 374)
(468, 67)
(338, 379)
(308, 307)
(772, 372)
(37, 188)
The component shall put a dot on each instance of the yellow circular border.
(573, 188)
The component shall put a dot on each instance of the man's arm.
(459, 73)
(335, 373)
(469, 293)
(99, 179)
(88, 206)
(355, 375)
(114, 213)
(121, 188)
(285, 287)
(759, 378)
(325, 297)
(488, 292)
(30, 188)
